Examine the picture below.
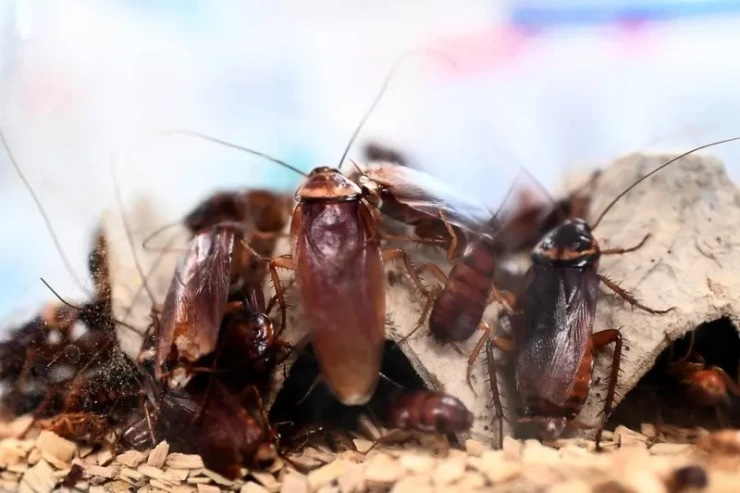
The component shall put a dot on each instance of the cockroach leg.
(499, 415)
(504, 298)
(431, 298)
(732, 386)
(601, 339)
(397, 253)
(619, 251)
(149, 423)
(452, 248)
(273, 264)
(629, 297)
(391, 436)
(434, 270)
(411, 239)
(505, 344)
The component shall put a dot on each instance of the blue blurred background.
(552, 85)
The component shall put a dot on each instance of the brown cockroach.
(336, 255)
(427, 411)
(207, 419)
(85, 427)
(456, 311)
(551, 339)
(703, 385)
(188, 328)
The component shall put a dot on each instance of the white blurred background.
(552, 85)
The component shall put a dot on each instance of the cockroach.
(703, 385)
(208, 420)
(87, 427)
(552, 339)
(336, 254)
(249, 349)
(196, 302)
(427, 411)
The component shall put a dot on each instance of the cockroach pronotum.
(551, 338)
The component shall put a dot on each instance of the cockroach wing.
(340, 277)
(196, 299)
(552, 334)
(425, 193)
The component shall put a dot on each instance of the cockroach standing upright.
(339, 271)
(552, 340)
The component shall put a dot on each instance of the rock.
(626, 437)
(144, 217)
(691, 201)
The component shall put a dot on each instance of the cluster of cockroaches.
(209, 354)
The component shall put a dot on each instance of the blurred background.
(554, 85)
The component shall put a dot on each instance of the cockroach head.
(571, 243)
(330, 185)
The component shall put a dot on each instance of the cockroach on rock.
(551, 338)
(338, 263)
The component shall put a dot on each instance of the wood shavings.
(38, 479)
(158, 455)
(184, 461)
(55, 446)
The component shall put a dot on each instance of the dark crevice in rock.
(321, 408)
(660, 397)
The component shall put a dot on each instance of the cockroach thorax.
(328, 184)
(570, 243)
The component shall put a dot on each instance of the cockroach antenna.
(357, 167)
(80, 309)
(44, 216)
(628, 189)
(388, 78)
(215, 140)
